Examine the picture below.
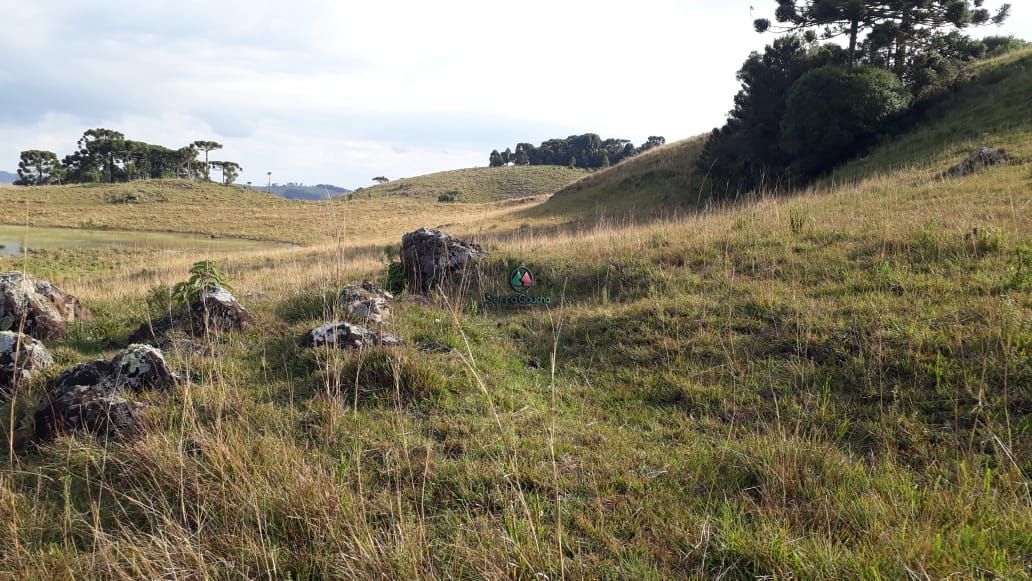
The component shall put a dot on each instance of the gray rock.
(215, 311)
(366, 303)
(90, 396)
(979, 159)
(36, 307)
(139, 367)
(347, 336)
(88, 408)
(429, 256)
(21, 356)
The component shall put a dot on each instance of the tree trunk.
(854, 30)
(901, 43)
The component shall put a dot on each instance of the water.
(13, 239)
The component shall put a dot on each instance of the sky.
(338, 91)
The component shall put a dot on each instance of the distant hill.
(661, 179)
(479, 184)
(7, 177)
(294, 192)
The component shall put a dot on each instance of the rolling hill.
(478, 185)
(309, 193)
(7, 177)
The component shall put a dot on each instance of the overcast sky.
(339, 92)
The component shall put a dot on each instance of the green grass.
(660, 181)
(831, 385)
(479, 185)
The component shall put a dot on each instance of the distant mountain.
(7, 177)
(296, 192)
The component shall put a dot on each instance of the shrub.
(394, 279)
(203, 274)
(452, 196)
(834, 113)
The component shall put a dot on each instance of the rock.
(979, 159)
(215, 311)
(366, 303)
(89, 408)
(347, 336)
(428, 256)
(140, 367)
(91, 396)
(36, 307)
(21, 356)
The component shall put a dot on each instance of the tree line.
(106, 156)
(807, 104)
(588, 151)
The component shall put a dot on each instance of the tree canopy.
(106, 156)
(587, 151)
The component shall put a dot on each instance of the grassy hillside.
(833, 385)
(374, 215)
(661, 180)
(991, 108)
(478, 185)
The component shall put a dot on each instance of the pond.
(14, 238)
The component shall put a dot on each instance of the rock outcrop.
(90, 397)
(343, 335)
(215, 311)
(21, 356)
(36, 307)
(429, 256)
(979, 159)
(366, 303)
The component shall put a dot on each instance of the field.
(831, 384)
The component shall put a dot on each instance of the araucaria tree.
(38, 167)
(905, 26)
(206, 146)
(106, 156)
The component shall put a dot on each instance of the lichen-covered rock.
(979, 159)
(215, 311)
(36, 307)
(91, 396)
(139, 367)
(429, 256)
(347, 336)
(88, 408)
(20, 357)
(366, 303)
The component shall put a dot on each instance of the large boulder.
(21, 356)
(36, 307)
(428, 256)
(90, 396)
(347, 336)
(366, 303)
(215, 311)
(979, 159)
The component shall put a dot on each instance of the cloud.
(322, 91)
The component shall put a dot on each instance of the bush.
(394, 278)
(834, 113)
(452, 196)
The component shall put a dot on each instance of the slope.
(478, 185)
(991, 107)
